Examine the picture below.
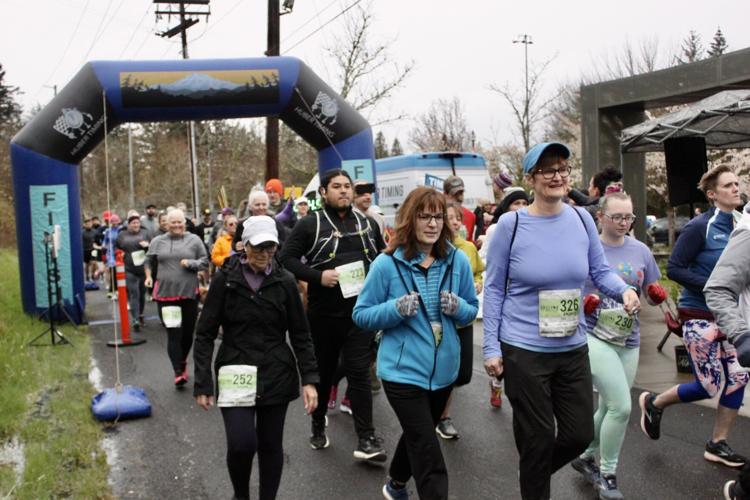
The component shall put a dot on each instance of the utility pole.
(131, 197)
(526, 41)
(272, 122)
(181, 29)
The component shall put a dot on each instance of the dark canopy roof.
(723, 119)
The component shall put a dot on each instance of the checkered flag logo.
(62, 126)
(72, 123)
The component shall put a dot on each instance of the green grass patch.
(672, 288)
(45, 398)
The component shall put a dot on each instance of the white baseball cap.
(259, 229)
(301, 199)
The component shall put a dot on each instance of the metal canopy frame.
(723, 120)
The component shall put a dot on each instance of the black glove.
(742, 344)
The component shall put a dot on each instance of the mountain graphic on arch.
(199, 88)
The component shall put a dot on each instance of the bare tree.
(529, 107)
(442, 128)
(366, 72)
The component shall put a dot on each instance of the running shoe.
(390, 492)
(607, 487)
(180, 379)
(136, 326)
(345, 406)
(650, 415)
(446, 429)
(588, 468)
(496, 394)
(319, 440)
(332, 397)
(371, 449)
(720, 452)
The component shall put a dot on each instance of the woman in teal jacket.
(416, 292)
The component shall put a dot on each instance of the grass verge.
(45, 398)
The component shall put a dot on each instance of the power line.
(324, 25)
(138, 26)
(96, 33)
(208, 28)
(65, 51)
(313, 18)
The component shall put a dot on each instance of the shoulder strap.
(510, 247)
(580, 217)
(398, 270)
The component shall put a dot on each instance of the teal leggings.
(613, 371)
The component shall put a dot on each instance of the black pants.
(180, 340)
(548, 391)
(466, 339)
(250, 429)
(334, 336)
(418, 451)
(136, 294)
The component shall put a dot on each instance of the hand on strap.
(408, 304)
(449, 303)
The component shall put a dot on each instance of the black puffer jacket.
(255, 326)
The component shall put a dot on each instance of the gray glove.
(449, 303)
(408, 304)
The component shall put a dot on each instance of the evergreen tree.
(396, 148)
(718, 44)
(692, 49)
(381, 147)
(10, 110)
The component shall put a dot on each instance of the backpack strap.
(510, 247)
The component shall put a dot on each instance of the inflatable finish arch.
(46, 152)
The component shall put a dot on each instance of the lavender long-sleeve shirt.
(549, 253)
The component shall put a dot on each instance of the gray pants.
(136, 294)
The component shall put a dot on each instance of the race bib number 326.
(559, 312)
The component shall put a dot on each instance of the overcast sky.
(459, 48)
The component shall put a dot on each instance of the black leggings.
(250, 429)
(180, 340)
(466, 339)
(418, 452)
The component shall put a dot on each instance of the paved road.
(179, 452)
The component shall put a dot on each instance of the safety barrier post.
(122, 298)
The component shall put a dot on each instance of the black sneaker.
(371, 449)
(446, 429)
(588, 468)
(720, 452)
(650, 415)
(319, 440)
(607, 487)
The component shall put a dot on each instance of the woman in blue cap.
(534, 330)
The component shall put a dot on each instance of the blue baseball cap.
(532, 157)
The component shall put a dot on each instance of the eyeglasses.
(231, 224)
(268, 247)
(549, 172)
(618, 218)
(429, 217)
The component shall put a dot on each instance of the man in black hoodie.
(332, 251)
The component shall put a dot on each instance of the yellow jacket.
(477, 266)
(222, 249)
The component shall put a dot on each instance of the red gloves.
(655, 294)
(590, 303)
